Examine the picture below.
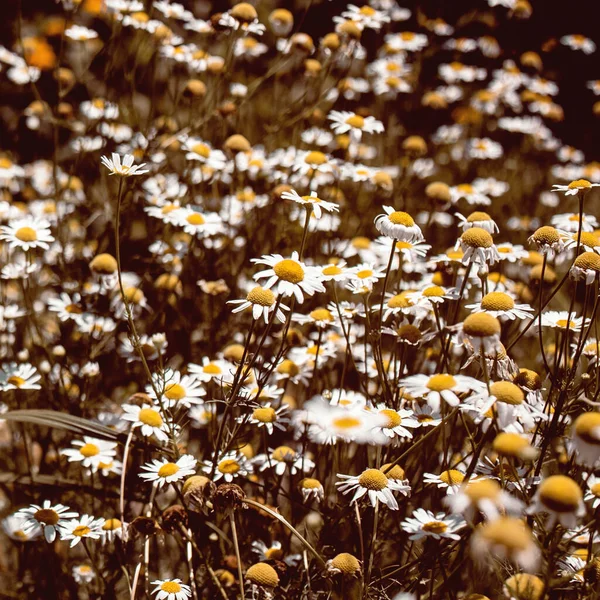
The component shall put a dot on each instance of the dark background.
(551, 19)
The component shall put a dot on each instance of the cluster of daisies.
(285, 338)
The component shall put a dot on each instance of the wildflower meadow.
(299, 300)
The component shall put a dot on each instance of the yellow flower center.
(263, 574)
(587, 427)
(435, 527)
(26, 234)
(16, 381)
(481, 325)
(361, 243)
(149, 416)
(89, 450)
(434, 291)
(315, 158)
(507, 392)
(229, 466)
(368, 11)
(332, 270)
(46, 516)
(579, 184)
(401, 218)
(393, 418)
(497, 301)
(289, 270)
(364, 274)
(346, 422)
(373, 479)
(407, 36)
(195, 219)
(5, 163)
(202, 150)
(355, 121)
(476, 237)
(562, 323)
(170, 587)
(440, 382)
(261, 296)
(174, 391)
(283, 453)
(168, 469)
(212, 369)
(452, 477)
(111, 524)
(482, 489)
(265, 415)
(81, 530)
(310, 484)
(595, 489)
(311, 199)
(560, 493)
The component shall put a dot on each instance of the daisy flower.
(398, 225)
(268, 417)
(312, 489)
(478, 246)
(396, 423)
(570, 222)
(44, 519)
(450, 480)
(289, 275)
(84, 526)
(210, 369)
(148, 418)
(593, 491)
(561, 319)
(424, 523)
(19, 377)
(13, 528)
(483, 495)
(586, 438)
(312, 202)
(27, 233)
(126, 169)
(263, 302)
(375, 484)
(83, 573)
(282, 459)
(91, 452)
(171, 589)
(345, 121)
(573, 188)
(163, 472)
(176, 389)
(577, 41)
(229, 466)
(441, 386)
(560, 497)
(502, 305)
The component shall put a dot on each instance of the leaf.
(58, 420)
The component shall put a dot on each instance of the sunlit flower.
(91, 452)
(423, 524)
(126, 169)
(44, 519)
(148, 418)
(171, 589)
(312, 201)
(27, 233)
(373, 483)
(163, 472)
(82, 527)
(398, 225)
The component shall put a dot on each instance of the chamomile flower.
(91, 452)
(290, 276)
(345, 121)
(148, 419)
(450, 480)
(171, 589)
(268, 417)
(478, 246)
(282, 459)
(312, 489)
(15, 376)
(163, 472)
(398, 225)
(263, 302)
(586, 438)
(502, 305)
(312, 201)
(374, 484)
(397, 422)
(441, 386)
(176, 389)
(573, 188)
(423, 524)
(593, 490)
(83, 573)
(85, 526)
(27, 234)
(229, 466)
(124, 169)
(561, 497)
(561, 319)
(44, 519)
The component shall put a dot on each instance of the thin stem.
(238, 558)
